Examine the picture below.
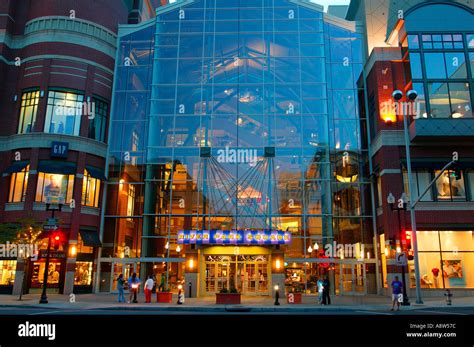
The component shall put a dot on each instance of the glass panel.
(28, 110)
(435, 66)
(54, 188)
(439, 100)
(420, 101)
(413, 42)
(460, 100)
(415, 65)
(449, 186)
(457, 241)
(64, 112)
(428, 240)
(430, 269)
(7, 272)
(456, 65)
(457, 272)
(83, 273)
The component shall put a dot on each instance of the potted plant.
(295, 296)
(165, 296)
(226, 297)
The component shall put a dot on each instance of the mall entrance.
(246, 273)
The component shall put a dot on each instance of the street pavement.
(106, 304)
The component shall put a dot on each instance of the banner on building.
(234, 237)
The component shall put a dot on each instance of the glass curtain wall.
(238, 115)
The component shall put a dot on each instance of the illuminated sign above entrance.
(234, 237)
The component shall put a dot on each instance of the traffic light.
(57, 239)
(408, 239)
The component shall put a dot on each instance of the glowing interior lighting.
(191, 263)
(178, 249)
(73, 250)
(278, 264)
(399, 249)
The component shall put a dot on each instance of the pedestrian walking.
(397, 296)
(133, 284)
(326, 287)
(120, 288)
(148, 288)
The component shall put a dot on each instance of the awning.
(57, 167)
(96, 173)
(17, 166)
(90, 238)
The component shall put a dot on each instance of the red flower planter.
(227, 299)
(294, 298)
(164, 297)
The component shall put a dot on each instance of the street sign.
(50, 227)
(401, 258)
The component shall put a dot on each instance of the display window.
(83, 274)
(54, 271)
(54, 188)
(7, 272)
(446, 259)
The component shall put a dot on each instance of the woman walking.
(133, 284)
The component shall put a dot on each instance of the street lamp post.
(277, 294)
(402, 206)
(411, 95)
(44, 297)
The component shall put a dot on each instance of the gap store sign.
(234, 237)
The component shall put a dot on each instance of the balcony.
(436, 129)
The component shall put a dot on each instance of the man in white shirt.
(148, 287)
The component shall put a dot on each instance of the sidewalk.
(254, 304)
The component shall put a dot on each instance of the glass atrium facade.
(239, 115)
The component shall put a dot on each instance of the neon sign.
(234, 237)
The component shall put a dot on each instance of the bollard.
(448, 296)
(190, 285)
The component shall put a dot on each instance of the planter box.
(227, 299)
(294, 298)
(164, 297)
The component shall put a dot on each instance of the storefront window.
(90, 190)
(64, 112)
(53, 274)
(28, 110)
(450, 186)
(83, 274)
(7, 272)
(81, 248)
(446, 259)
(18, 184)
(54, 188)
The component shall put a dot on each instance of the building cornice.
(64, 30)
(44, 140)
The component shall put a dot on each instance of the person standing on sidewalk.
(148, 288)
(326, 287)
(397, 295)
(133, 284)
(120, 287)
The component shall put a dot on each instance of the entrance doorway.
(351, 278)
(246, 273)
